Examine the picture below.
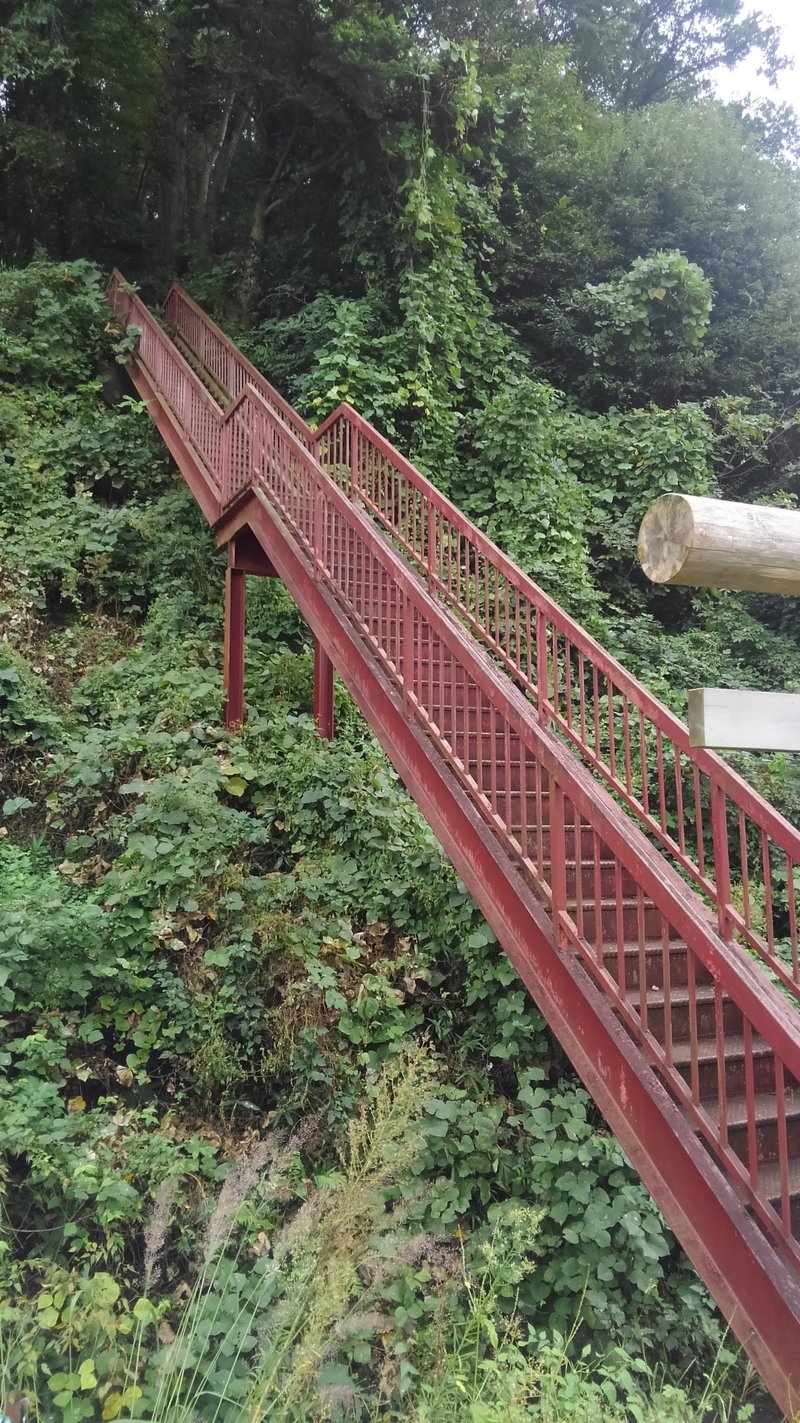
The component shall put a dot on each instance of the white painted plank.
(744, 721)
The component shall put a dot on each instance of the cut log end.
(665, 538)
(693, 541)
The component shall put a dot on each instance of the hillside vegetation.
(282, 1136)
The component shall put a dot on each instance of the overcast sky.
(744, 80)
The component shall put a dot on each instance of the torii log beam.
(713, 543)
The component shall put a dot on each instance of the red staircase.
(646, 894)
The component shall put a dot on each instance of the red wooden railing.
(567, 835)
(733, 845)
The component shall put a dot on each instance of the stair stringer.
(743, 1273)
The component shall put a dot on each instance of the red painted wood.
(676, 1031)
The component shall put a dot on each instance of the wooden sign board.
(744, 721)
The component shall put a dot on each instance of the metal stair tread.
(679, 995)
(764, 1107)
(707, 1048)
(769, 1180)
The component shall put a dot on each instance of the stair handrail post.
(319, 529)
(722, 860)
(558, 859)
(407, 651)
(541, 664)
(354, 434)
(431, 541)
(225, 460)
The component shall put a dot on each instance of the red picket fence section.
(490, 667)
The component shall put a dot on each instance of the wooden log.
(744, 721)
(713, 543)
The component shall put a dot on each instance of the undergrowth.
(282, 1135)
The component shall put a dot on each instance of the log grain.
(690, 541)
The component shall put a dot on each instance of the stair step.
(769, 1188)
(608, 879)
(680, 1012)
(678, 960)
(735, 1076)
(766, 1121)
(651, 919)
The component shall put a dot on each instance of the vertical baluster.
(791, 896)
(541, 665)
(768, 915)
(449, 560)
(523, 800)
(493, 754)
(641, 941)
(354, 435)
(517, 636)
(698, 811)
(783, 1145)
(558, 860)
(722, 869)
(694, 1068)
(582, 696)
(409, 677)
(666, 960)
(679, 800)
(612, 735)
(626, 744)
(580, 920)
(540, 832)
(722, 1066)
(597, 871)
(619, 926)
(750, 1099)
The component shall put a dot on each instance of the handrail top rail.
(280, 400)
(706, 760)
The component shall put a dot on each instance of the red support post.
(233, 654)
(323, 691)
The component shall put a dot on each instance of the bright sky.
(745, 79)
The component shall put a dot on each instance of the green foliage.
(251, 934)
(644, 327)
(51, 322)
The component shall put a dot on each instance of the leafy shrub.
(52, 322)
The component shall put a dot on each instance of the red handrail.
(732, 844)
(720, 832)
(487, 728)
(216, 352)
